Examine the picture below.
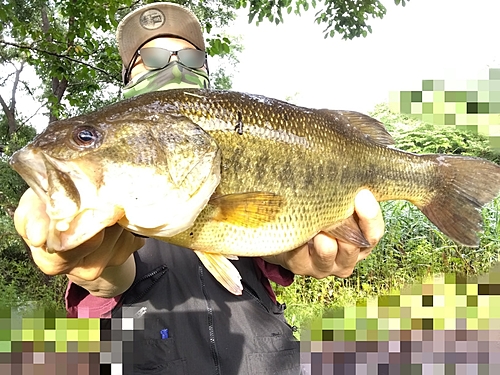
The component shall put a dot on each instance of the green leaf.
(208, 27)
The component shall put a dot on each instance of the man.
(187, 323)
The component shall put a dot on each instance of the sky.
(454, 40)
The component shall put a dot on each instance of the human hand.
(110, 247)
(326, 256)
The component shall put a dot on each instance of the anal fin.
(223, 270)
(348, 230)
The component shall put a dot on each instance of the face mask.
(174, 76)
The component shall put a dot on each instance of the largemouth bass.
(230, 174)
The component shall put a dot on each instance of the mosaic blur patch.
(445, 325)
(472, 105)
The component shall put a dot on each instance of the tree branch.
(32, 48)
(131, 6)
(4, 105)
(14, 86)
(29, 118)
(6, 79)
(9, 114)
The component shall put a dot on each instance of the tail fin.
(467, 184)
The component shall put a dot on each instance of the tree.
(345, 17)
(69, 46)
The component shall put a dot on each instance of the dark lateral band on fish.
(158, 162)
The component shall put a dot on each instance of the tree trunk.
(59, 86)
(10, 109)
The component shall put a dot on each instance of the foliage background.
(70, 47)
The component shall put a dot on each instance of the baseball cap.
(156, 19)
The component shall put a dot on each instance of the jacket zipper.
(162, 269)
(210, 313)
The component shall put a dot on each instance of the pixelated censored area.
(472, 105)
(444, 325)
(44, 344)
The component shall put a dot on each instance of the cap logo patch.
(152, 19)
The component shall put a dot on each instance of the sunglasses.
(157, 58)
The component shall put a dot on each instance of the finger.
(115, 249)
(298, 260)
(91, 266)
(37, 228)
(55, 263)
(120, 244)
(30, 208)
(86, 225)
(49, 263)
(371, 221)
(31, 221)
(323, 254)
(364, 252)
(346, 259)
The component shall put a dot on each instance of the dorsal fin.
(365, 124)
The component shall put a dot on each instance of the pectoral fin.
(248, 209)
(348, 230)
(223, 270)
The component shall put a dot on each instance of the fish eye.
(85, 136)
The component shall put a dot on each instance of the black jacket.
(185, 322)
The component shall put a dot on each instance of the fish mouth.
(59, 185)
(49, 180)
(31, 166)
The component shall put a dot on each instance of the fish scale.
(286, 173)
(321, 205)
